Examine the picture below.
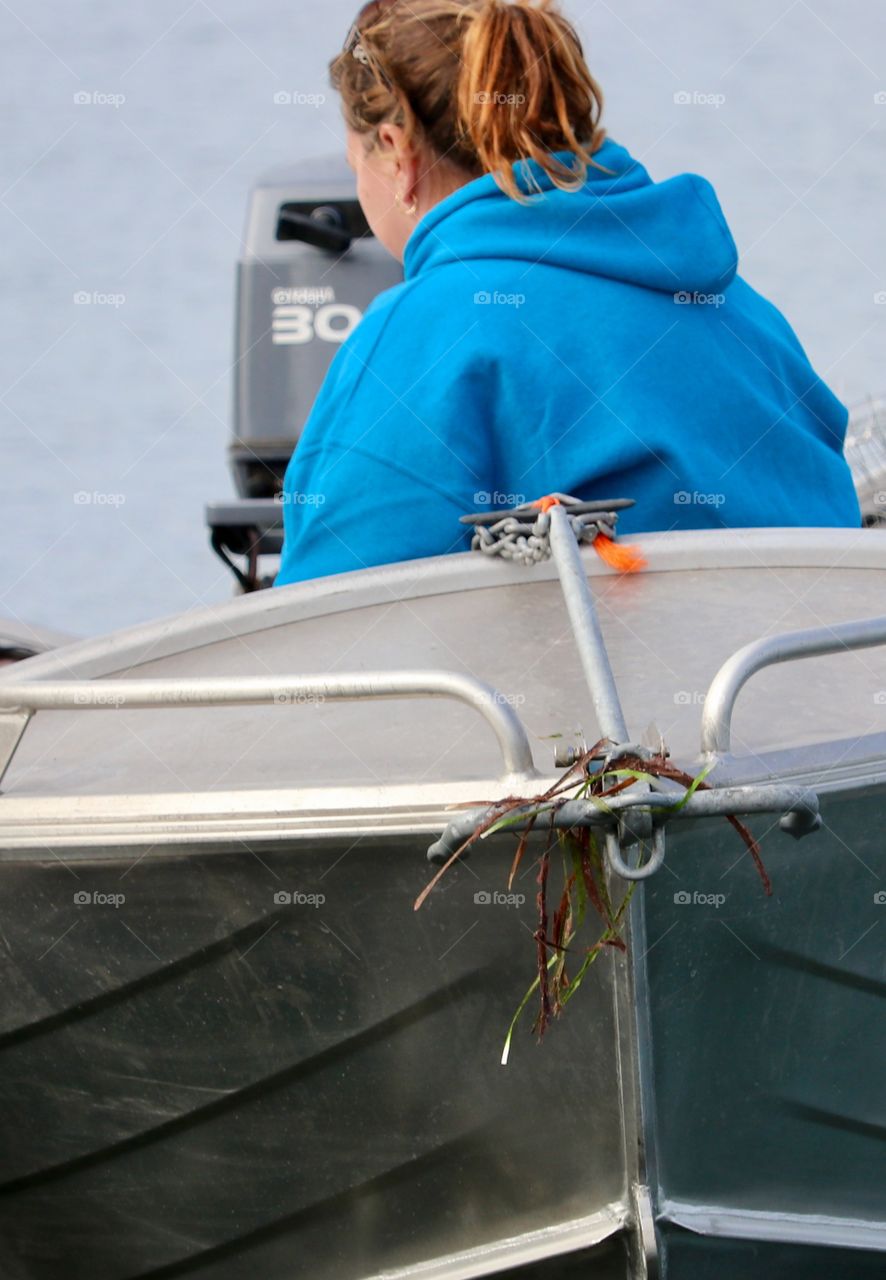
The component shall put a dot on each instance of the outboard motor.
(310, 268)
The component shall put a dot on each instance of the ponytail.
(485, 83)
(525, 92)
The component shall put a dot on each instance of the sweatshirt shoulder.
(424, 312)
(397, 306)
(413, 347)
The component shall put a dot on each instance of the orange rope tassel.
(619, 555)
(545, 504)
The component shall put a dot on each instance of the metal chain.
(523, 535)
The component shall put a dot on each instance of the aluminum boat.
(231, 1047)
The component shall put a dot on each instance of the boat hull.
(764, 1047)
(199, 1078)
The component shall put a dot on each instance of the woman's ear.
(402, 160)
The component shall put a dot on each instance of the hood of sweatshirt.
(670, 236)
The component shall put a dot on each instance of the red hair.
(484, 83)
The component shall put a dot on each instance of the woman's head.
(437, 92)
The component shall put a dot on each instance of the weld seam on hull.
(518, 1251)
(782, 1228)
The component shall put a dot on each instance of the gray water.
(141, 201)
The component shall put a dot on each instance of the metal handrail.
(586, 627)
(719, 705)
(600, 678)
(19, 701)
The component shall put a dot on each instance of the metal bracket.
(797, 805)
(614, 841)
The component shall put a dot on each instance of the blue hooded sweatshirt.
(595, 342)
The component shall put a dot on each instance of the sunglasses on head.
(369, 14)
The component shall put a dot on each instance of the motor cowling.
(309, 270)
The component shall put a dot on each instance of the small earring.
(409, 209)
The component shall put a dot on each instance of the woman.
(565, 323)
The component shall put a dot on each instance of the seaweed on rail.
(561, 958)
